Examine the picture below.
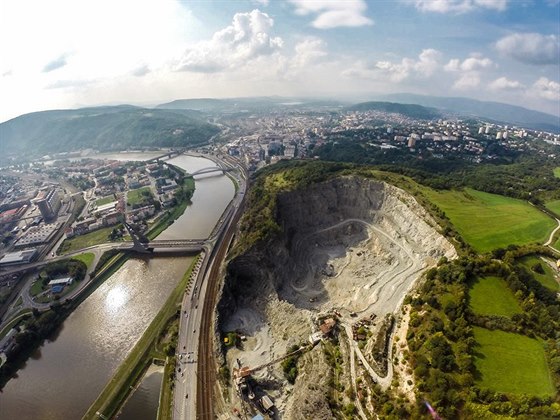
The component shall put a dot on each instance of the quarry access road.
(390, 304)
(397, 280)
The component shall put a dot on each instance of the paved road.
(186, 392)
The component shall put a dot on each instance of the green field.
(105, 200)
(557, 172)
(136, 196)
(548, 279)
(554, 206)
(489, 221)
(36, 288)
(511, 363)
(491, 296)
(83, 241)
(86, 258)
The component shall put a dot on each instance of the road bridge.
(167, 155)
(210, 170)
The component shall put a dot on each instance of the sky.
(61, 54)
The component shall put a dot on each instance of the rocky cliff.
(352, 244)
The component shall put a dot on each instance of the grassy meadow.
(137, 196)
(105, 200)
(492, 296)
(76, 243)
(87, 258)
(489, 221)
(511, 363)
(554, 206)
(548, 279)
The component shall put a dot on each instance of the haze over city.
(67, 54)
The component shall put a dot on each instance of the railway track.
(206, 374)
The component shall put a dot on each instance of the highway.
(194, 385)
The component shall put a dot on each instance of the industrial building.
(38, 235)
(20, 257)
(49, 203)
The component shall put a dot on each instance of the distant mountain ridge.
(409, 110)
(251, 104)
(494, 111)
(103, 128)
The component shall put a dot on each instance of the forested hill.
(103, 128)
(495, 111)
(409, 110)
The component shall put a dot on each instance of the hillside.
(249, 104)
(409, 110)
(323, 244)
(510, 114)
(103, 128)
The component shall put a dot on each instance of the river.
(66, 375)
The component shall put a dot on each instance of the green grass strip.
(489, 221)
(492, 296)
(87, 258)
(512, 364)
(548, 279)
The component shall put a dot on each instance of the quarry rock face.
(352, 245)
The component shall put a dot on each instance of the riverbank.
(132, 369)
(104, 328)
(38, 326)
(97, 276)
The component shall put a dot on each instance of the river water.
(144, 402)
(68, 372)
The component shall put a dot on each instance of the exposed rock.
(351, 244)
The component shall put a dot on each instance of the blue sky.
(70, 53)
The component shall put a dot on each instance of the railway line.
(206, 376)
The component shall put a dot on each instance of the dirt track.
(351, 245)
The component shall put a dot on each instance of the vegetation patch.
(557, 172)
(541, 271)
(139, 196)
(105, 200)
(553, 206)
(76, 243)
(489, 221)
(86, 258)
(479, 366)
(511, 363)
(183, 197)
(289, 365)
(491, 296)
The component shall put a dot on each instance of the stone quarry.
(350, 246)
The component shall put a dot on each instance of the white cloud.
(472, 63)
(247, 38)
(57, 63)
(141, 70)
(503, 83)
(97, 41)
(467, 81)
(309, 51)
(427, 63)
(468, 70)
(333, 14)
(547, 89)
(531, 48)
(459, 6)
